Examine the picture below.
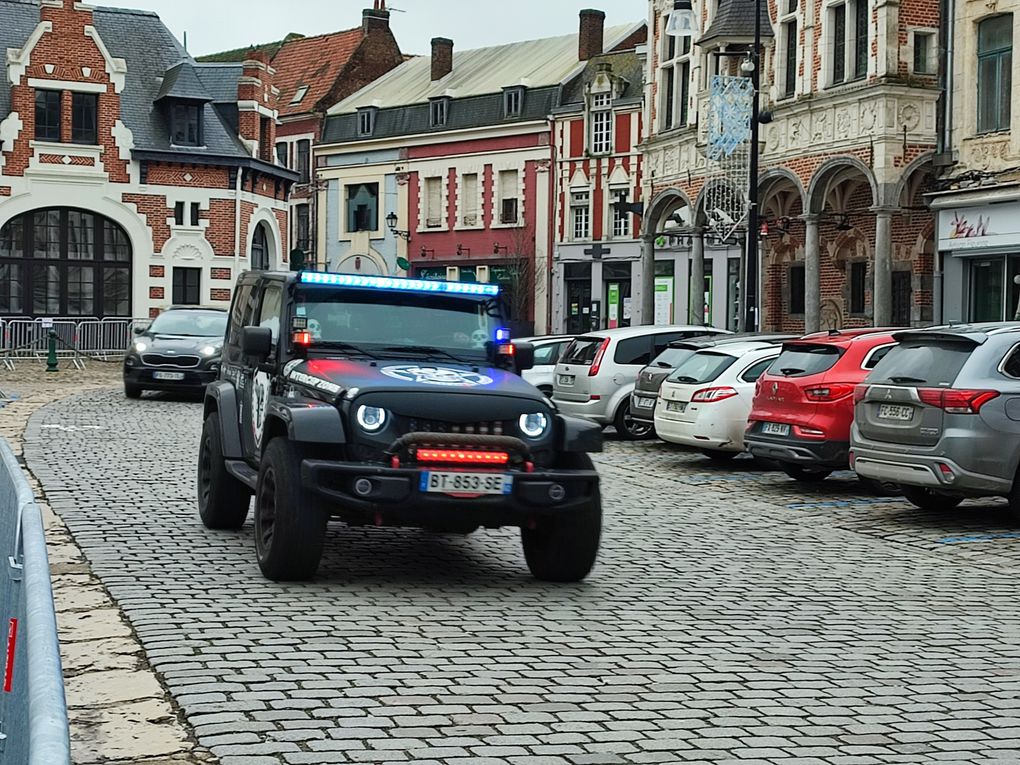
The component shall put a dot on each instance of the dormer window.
(438, 112)
(186, 124)
(366, 121)
(513, 102)
(299, 95)
(601, 123)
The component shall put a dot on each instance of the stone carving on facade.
(830, 314)
(910, 117)
(986, 153)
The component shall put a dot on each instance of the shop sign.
(973, 228)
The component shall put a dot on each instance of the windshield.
(379, 320)
(190, 323)
(702, 367)
(799, 360)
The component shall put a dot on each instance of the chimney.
(257, 89)
(375, 19)
(589, 41)
(442, 57)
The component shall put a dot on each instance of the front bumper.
(195, 379)
(798, 451)
(395, 496)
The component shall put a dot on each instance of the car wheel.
(806, 475)
(629, 428)
(926, 499)
(563, 548)
(133, 391)
(881, 488)
(290, 525)
(222, 500)
(718, 455)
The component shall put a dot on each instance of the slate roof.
(181, 81)
(149, 50)
(734, 20)
(627, 65)
(535, 63)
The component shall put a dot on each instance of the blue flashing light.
(502, 335)
(399, 284)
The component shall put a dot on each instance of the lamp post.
(752, 66)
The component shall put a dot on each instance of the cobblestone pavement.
(734, 616)
(118, 711)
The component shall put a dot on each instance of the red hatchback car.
(804, 404)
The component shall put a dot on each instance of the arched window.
(64, 262)
(260, 249)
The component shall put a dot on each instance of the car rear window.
(582, 351)
(801, 360)
(702, 367)
(923, 362)
(671, 357)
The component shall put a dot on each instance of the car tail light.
(829, 392)
(805, 432)
(956, 401)
(597, 361)
(860, 392)
(947, 472)
(462, 457)
(709, 395)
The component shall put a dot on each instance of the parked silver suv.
(596, 374)
(940, 415)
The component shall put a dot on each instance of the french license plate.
(566, 379)
(895, 412)
(168, 376)
(775, 429)
(676, 406)
(646, 403)
(453, 482)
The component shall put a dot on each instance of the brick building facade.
(131, 178)
(852, 91)
(312, 74)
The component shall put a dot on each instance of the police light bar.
(395, 283)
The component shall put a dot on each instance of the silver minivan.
(940, 416)
(596, 373)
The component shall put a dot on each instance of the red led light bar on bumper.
(462, 457)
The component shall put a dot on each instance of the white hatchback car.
(548, 349)
(597, 372)
(706, 400)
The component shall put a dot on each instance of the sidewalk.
(118, 709)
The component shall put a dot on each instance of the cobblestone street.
(734, 616)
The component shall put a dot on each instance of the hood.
(336, 376)
(177, 344)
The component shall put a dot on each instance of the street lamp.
(682, 21)
(752, 66)
(391, 221)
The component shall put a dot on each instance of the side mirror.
(257, 342)
(524, 356)
(139, 329)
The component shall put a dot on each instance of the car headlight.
(372, 419)
(533, 425)
(209, 351)
(140, 347)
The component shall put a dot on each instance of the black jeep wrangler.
(389, 402)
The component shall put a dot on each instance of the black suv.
(389, 402)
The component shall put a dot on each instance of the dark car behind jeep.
(179, 352)
(389, 402)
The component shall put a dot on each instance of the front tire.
(222, 499)
(806, 475)
(290, 525)
(564, 548)
(926, 499)
(628, 428)
(133, 391)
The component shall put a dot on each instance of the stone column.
(647, 315)
(696, 310)
(881, 296)
(812, 275)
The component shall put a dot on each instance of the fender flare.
(317, 423)
(220, 397)
(576, 434)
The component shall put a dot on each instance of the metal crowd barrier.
(77, 338)
(33, 711)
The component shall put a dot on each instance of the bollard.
(51, 356)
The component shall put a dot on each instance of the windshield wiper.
(663, 365)
(905, 379)
(335, 345)
(684, 379)
(424, 350)
(787, 371)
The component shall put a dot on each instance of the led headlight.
(209, 351)
(140, 347)
(372, 419)
(533, 425)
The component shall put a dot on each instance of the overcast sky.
(215, 25)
